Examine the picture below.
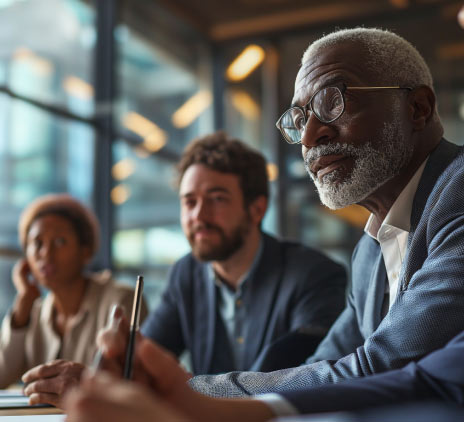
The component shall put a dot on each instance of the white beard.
(372, 167)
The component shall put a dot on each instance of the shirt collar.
(213, 276)
(399, 215)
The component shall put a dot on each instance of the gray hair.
(390, 57)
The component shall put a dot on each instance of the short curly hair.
(82, 218)
(221, 153)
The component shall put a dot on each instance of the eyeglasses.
(327, 104)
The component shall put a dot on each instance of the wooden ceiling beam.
(295, 18)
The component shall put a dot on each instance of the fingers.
(103, 398)
(46, 370)
(45, 398)
(113, 338)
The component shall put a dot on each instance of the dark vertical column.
(280, 148)
(217, 59)
(104, 94)
(271, 136)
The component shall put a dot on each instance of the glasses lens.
(292, 124)
(328, 104)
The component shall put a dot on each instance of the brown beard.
(227, 246)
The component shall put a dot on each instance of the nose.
(45, 250)
(200, 212)
(317, 132)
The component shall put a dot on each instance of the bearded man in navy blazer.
(240, 291)
(364, 111)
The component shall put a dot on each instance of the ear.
(422, 106)
(257, 209)
(86, 255)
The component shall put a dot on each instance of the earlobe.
(422, 102)
(258, 208)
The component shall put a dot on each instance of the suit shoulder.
(303, 256)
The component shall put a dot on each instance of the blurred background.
(98, 99)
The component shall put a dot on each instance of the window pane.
(47, 48)
(164, 90)
(164, 101)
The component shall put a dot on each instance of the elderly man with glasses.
(364, 112)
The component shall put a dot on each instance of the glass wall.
(164, 100)
(47, 58)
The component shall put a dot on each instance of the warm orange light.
(154, 138)
(78, 88)
(400, 4)
(247, 61)
(123, 169)
(191, 109)
(120, 194)
(39, 64)
(272, 172)
(461, 17)
(245, 104)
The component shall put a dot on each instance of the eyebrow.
(214, 189)
(329, 82)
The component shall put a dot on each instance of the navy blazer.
(428, 310)
(437, 377)
(293, 287)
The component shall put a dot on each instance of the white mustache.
(317, 152)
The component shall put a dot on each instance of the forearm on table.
(227, 410)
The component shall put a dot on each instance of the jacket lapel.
(206, 304)
(263, 287)
(438, 160)
(375, 296)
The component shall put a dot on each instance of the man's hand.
(49, 382)
(104, 398)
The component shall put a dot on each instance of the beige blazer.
(24, 348)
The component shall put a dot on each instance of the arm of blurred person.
(26, 294)
(48, 382)
(165, 396)
(15, 325)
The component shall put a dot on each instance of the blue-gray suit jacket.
(292, 288)
(428, 310)
(439, 377)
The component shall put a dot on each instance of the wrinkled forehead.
(343, 62)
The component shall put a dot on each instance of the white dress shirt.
(393, 233)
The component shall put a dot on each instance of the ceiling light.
(120, 194)
(245, 104)
(272, 172)
(247, 61)
(38, 64)
(78, 88)
(191, 109)
(154, 138)
(123, 169)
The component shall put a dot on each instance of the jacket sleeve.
(438, 376)
(12, 352)
(163, 325)
(427, 313)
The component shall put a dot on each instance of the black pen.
(134, 326)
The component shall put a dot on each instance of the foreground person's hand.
(48, 383)
(112, 343)
(104, 398)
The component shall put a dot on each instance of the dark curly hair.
(227, 155)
